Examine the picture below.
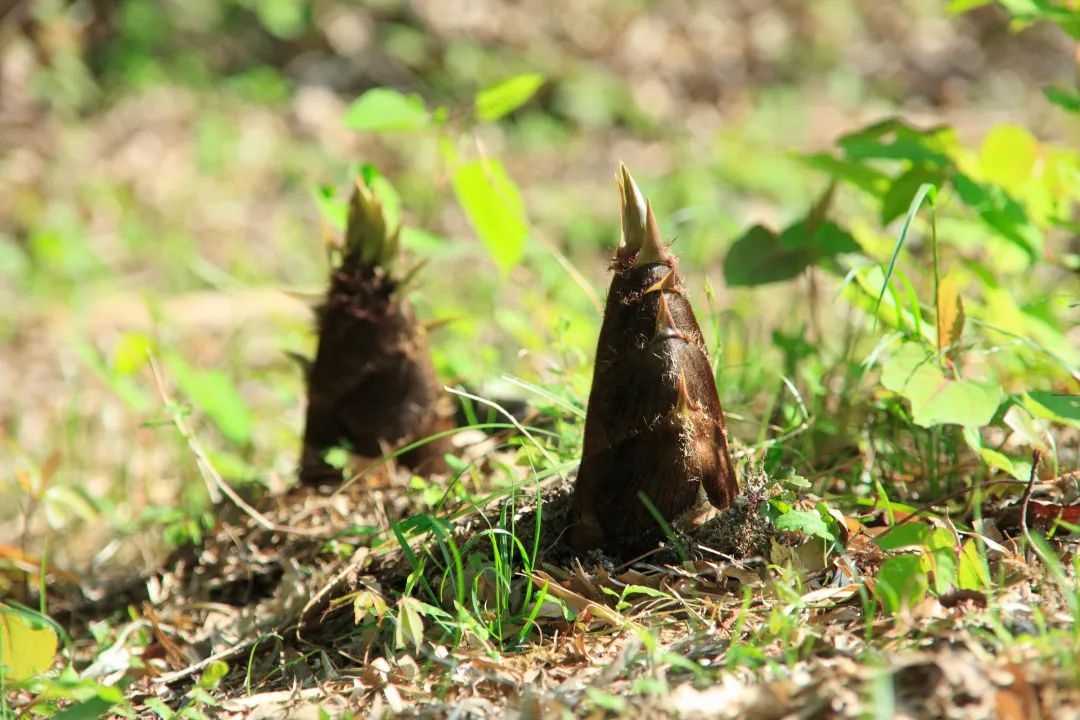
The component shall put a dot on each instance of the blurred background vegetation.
(163, 164)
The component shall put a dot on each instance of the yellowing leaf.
(1008, 155)
(25, 651)
(950, 313)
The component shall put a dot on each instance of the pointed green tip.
(366, 233)
(634, 210)
(652, 246)
(640, 231)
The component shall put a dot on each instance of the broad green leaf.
(807, 522)
(27, 648)
(910, 534)
(868, 179)
(1063, 97)
(383, 109)
(215, 394)
(761, 256)
(950, 313)
(999, 461)
(935, 399)
(894, 139)
(824, 240)
(507, 96)
(902, 190)
(1026, 12)
(493, 205)
(972, 573)
(757, 258)
(91, 709)
(1008, 155)
(1001, 212)
(1066, 408)
(901, 582)
(942, 561)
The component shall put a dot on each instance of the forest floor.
(156, 504)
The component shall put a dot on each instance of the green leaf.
(901, 582)
(972, 573)
(823, 241)
(1065, 408)
(761, 256)
(383, 109)
(131, 352)
(860, 175)
(420, 242)
(1008, 155)
(91, 709)
(334, 211)
(757, 258)
(903, 189)
(409, 632)
(493, 205)
(936, 400)
(957, 7)
(215, 394)
(1000, 211)
(902, 536)
(386, 193)
(507, 96)
(214, 673)
(284, 18)
(807, 522)
(1063, 97)
(894, 139)
(943, 561)
(631, 590)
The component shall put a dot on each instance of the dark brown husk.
(654, 423)
(372, 386)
